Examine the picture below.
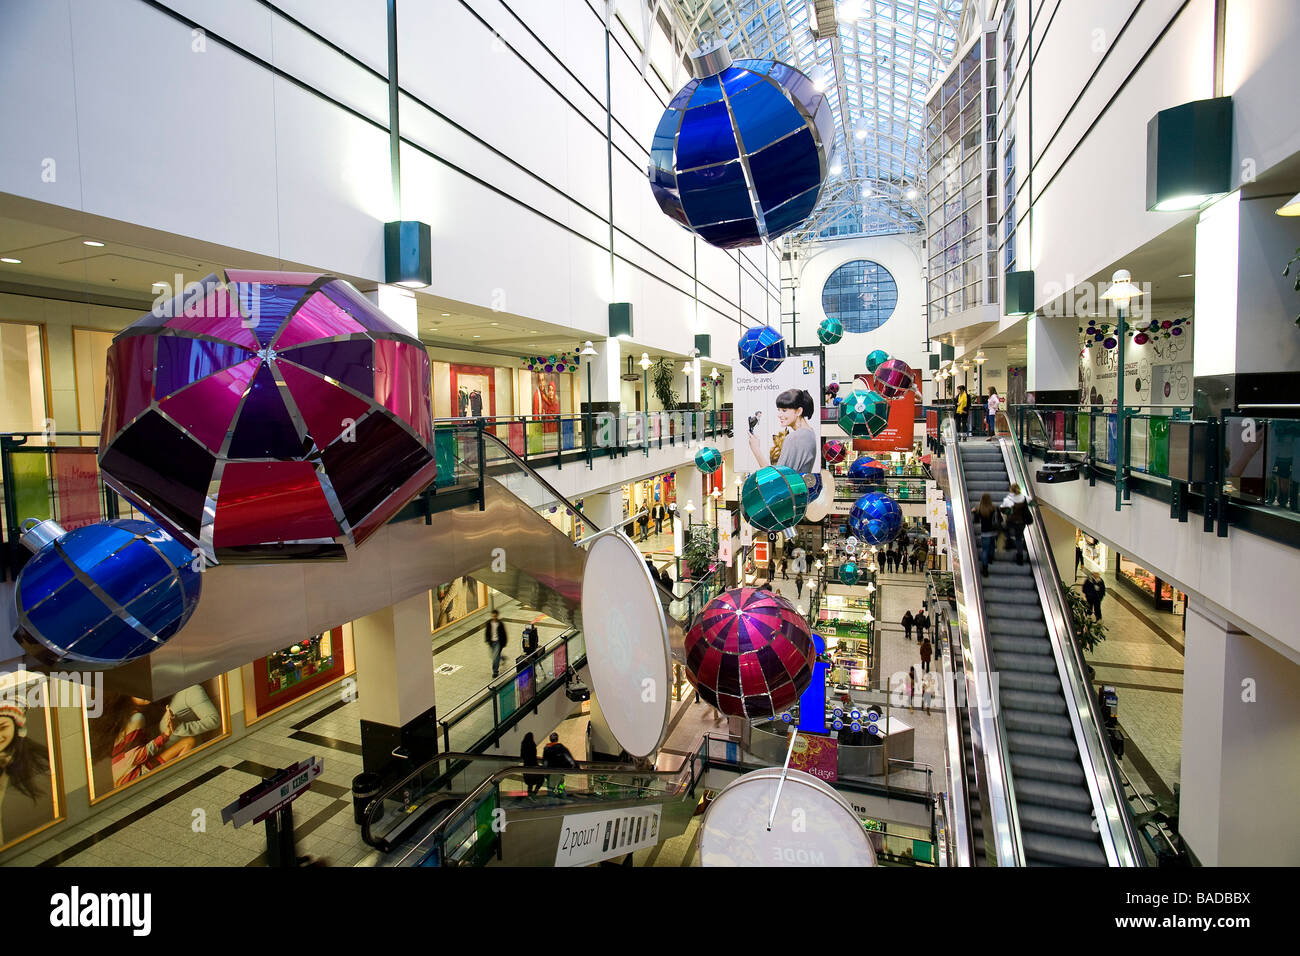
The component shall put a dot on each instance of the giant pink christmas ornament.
(749, 653)
(274, 415)
(893, 378)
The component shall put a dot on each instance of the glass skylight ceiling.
(877, 62)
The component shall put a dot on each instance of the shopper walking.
(907, 622)
(1016, 522)
(644, 522)
(1094, 589)
(798, 585)
(963, 412)
(927, 652)
(1078, 560)
(987, 521)
(528, 757)
(494, 634)
(911, 687)
(771, 569)
(994, 404)
(660, 513)
(927, 694)
(785, 567)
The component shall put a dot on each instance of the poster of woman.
(29, 797)
(780, 416)
(134, 737)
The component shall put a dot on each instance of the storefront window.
(293, 672)
(1162, 594)
(22, 378)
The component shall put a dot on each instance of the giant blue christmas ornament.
(876, 518)
(774, 498)
(761, 349)
(867, 468)
(830, 331)
(864, 413)
(708, 460)
(103, 594)
(741, 152)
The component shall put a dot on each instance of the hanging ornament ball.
(1166, 324)
(850, 543)
(833, 388)
(762, 350)
(750, 653)
(835, 451)
(1110, 342)
(876, 358)
(876, 518)
(105, 593)
(830, 331)
(774, 498)
(849, 573)
(867, 468)
(814, 482)
(894, 378)
(560, 367)
(550, 359)
(1141, 339)
(731, 194)
(708, 459)
(1177, 330)
(864, 414)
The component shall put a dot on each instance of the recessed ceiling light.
(446, 314)
(1185, 275)
(160, 285)
(477, 336)
(532, 331)
(11, 260)
(494, 323)
(433, 330)
(91, 242)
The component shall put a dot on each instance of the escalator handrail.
(1111, 810)
(532, 473)
(479, 793)
(496, 683)
(988, 737)
(957, 804)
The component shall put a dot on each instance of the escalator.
(1045, 789)
(475, 810)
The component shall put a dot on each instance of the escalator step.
(1024, 663)
(1020, 594)
(1059, 795)
(1029, 767)
(1033, 701)
(1020, 644)
(1060, 748)
(1035, 681)
(1004, 627)
(1042, 849)
(1049, 820)
(1015, 582)
(1030, 722)
(995, 608)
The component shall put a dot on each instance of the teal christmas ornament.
(850, 573)
(876, 358)
(830, 331)
(774, 498)
(708, 460)
(863, 413)
(762, 349)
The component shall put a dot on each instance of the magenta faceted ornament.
(835, 451)
(893, 378)
(273, 415)
(750, 653)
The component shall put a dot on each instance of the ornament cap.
(712, 57)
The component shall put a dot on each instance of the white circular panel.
(813, 825)
(821, 506)
(628, 654)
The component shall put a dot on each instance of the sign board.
(898, 434)
(819, 756)
(759, 432)
(724, 537)
(587, 838)
(270, 796)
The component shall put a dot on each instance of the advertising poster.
(724, 537)
(898, 435)
(29, 791)
(134, 737)
(778, 416)
(819, 756)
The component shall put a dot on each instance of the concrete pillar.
(603, 508)
(394, 658)
(606, 372)
(1241, 768)
(399, 305)
(1052, 359)
(1244, 346)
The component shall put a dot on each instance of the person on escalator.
(988, 520)
(528, 757)
(556, 755)
(1016, 522)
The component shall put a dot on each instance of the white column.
(603, 508)
(1240, 770)
(606, 382)
(1052, 354)
(399, 305)
(394, 658)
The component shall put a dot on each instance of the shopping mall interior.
(929, 506)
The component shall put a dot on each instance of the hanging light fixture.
(1292, 207)
(587, 349)
(980, 358)
(645, 360)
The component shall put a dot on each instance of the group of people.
(660, 576)
(656, 514)
(898, 558)
(1010, 519)
(991, 407)
(554, 755)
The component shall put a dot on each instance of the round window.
(861, 294)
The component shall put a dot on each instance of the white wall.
(903, 335)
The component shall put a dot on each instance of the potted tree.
(1088, 631)
(700, 549)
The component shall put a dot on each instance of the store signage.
(270, 796)
(587, 838)
(818, 756)
(724, 537)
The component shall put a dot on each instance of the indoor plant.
(1088, 631)
(700, 549)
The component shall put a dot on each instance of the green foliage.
(1088, 631)
(661, 380)
(700, 549)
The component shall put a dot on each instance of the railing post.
(482, 464)
(11, 532)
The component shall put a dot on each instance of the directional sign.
(255, 805)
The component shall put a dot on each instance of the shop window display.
(30, 799)
(293, 672)
(456, 600)
(1162, 594)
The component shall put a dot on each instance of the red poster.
(897, 435)
(819, 756)
(76, 484)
